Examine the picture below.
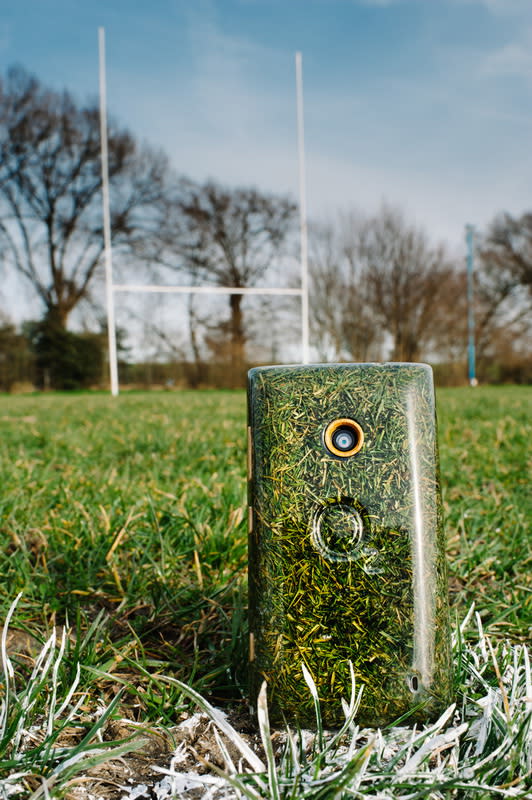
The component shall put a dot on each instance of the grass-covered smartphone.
(346, 545)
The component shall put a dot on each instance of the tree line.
(379, 288)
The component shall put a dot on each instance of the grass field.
(123, 520)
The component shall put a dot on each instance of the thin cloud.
(513, 59)
(223, 77)
(243, 140)
(501, 7)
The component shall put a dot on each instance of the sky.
(423, 104)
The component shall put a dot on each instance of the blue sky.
(426, 104)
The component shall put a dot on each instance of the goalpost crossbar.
(162, 289)
(111, 287)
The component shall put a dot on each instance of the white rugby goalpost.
(112, 288)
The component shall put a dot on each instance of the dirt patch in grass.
(172, 763)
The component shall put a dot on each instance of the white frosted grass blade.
(502, 690)
(296, 764)
(444, 719)
(528, 706)
(43, 660)
(55, 679)
(235, 781)
(528, 678)
(432, 746)
(218, 718)
(31, 693)
(309, 680)
(349, 712)
(82, 760)
(354, 702)
(482, 728)
(490, 757)
(265, 735)
(229, 763)
(68, 699)
(181, 781)
(7, 667)
(481, 637)
(193, 777)
(405, 751)
(417, 738)
(467, 619)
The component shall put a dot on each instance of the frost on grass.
(481, 747)
(45, 737)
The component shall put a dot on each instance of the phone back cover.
(346, 556)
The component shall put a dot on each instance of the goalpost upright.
(111, 328)
(302, 211)
(111, 287)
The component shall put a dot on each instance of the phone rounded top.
(336, 366)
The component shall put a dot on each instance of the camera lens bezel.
(332, 429)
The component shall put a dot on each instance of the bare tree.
(50, 182)
(226, 237)
(409, 283)
(504, 283)
(508, 247)
(377, 279)
(344, 326)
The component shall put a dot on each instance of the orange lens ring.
(343, 422)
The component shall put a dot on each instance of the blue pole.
(470, 239)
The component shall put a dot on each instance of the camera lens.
(343, 437)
